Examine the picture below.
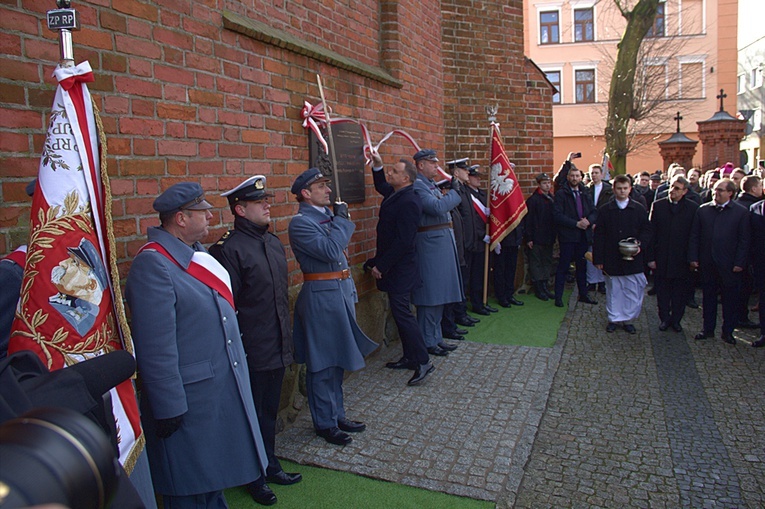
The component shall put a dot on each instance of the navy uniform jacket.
(671, 232)
(720, 239)
(191, 363)
(396, 256)
(325, 331)
(615, 224)
(566, 216)
(257, 264)
(437, 252)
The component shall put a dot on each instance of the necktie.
(579, 209)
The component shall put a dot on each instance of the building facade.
(687, 59)
(749, 87)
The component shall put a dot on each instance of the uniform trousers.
(540, 261)
(266, 395)
(729, 290)
(429, 320)
(455, 310)
(671, 297)
(211, 500)
(475, 262)
(412, 341)
(140, 477)
(325, 396)
(505, 264)
(571, 251)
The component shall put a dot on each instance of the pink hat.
(727, 169)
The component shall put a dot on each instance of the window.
(755, 78)
(692, 80)
(657, 30)
(554, 78)
(740, 84)
(584, 80)
(548, 27)
(583, 25)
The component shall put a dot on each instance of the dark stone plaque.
(349, 145)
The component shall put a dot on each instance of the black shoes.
(350, 426)
(466, 321)
(421, 372)
(453, 335)
(284, 479)
(611, 327)
(512, 301)
(728, 338)
(460, 332)
(515, 302)
(629, 328)
(334, 436)
(261, 494)
(759, 343)
(490, 309)
(664, 326)
(652, 290)
(402, 363)
(481, 311)
(704, 335)
(438, 351)
(504, 303)
(586, 299)
(447, 347)
(558, 303)
(677, 327)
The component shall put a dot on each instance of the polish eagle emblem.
(501, 183)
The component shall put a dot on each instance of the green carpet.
(536, 323)
(328, 489)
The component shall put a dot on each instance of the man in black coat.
(719, 247)
(751, 193)
(475, 240)
(667, 254)
(539, 228)
(574, 215)
(621, 218)
(395, 265)
(757, 218)
(257, 264)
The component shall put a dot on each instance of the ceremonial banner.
(506, 201)
(608, 168)
(69, 308)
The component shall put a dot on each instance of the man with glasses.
(719, 247)
(200, 424)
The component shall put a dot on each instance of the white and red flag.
(70, 308)
(506, 201)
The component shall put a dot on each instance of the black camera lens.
(55, 455)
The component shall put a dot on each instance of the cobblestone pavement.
(655, 419)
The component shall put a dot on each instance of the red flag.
(69, 309)
(506, 201)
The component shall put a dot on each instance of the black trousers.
(475, 261)
(571, 251)
(266, 394)
(671, 297)
(455, 310)
(730, 294)
(504, 272)
(412, 342)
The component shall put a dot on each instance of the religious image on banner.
(506, 203)
(69, 310)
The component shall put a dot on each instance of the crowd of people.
(212, 331)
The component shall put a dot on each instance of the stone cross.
(678, 118)
(722, 96)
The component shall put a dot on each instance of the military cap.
(541, 177)
(457, 163)
(655, 176)
(252, 189)
(473, 170)
(428, 155)
(307, 178)
(182, 196)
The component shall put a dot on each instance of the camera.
(577, 155)
(56, 455)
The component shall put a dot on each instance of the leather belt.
(327, 276)
(432, 227)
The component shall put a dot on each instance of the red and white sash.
(483, 210)
(203, 268)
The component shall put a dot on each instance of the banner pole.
(492, 112)
(331, 141)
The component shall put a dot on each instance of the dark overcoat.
(566, 216)
(475, 227)
(256, 261)
(606, 193)
(720, 238)
(539, 222)
(191, 362)
(396, 256)
(671, 232)
(436, 249)
(325, 331)
(615, 224)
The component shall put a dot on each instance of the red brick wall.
(183, 98)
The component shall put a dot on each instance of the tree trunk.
(621, 92)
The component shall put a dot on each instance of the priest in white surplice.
(617, 220)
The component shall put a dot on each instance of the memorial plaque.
(349, 145)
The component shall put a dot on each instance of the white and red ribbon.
(483, 210)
